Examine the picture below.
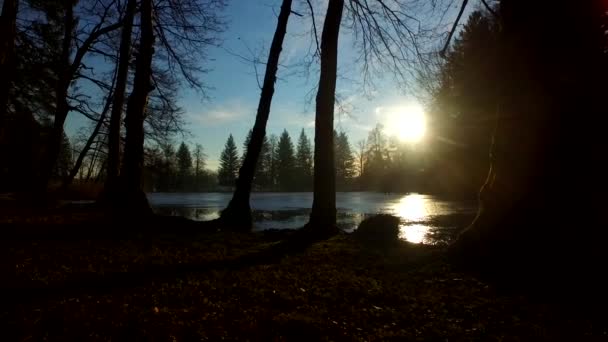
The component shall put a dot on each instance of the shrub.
(378, 230)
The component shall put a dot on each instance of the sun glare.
(408, 123)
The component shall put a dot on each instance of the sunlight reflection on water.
(412, 209)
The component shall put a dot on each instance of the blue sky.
(232, 102)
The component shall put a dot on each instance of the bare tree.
(113, 165)
(238, 213)
(67, 72)
(323, 215)
(132, 196)
(360, 154)
(185, 30)
(92, 137)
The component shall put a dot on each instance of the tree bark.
(238, 213)
(323, 215)
(132, 196)
(8, 23)
(113, 160)
(540, 214)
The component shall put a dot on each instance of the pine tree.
(184, 166)
(199, 166)
(345, 162)
(274, 158)
(245, 146)
(303, 163)
(285, 162)
(229, 163)
(263, 176)
(263, 171)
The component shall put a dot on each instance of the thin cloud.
(222, 114)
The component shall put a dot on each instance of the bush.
(378, 230)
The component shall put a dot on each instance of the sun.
(408, 123)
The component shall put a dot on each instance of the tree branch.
(447, 43)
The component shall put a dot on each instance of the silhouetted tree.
(463, 106)
(184, 166)
(273, 171)
(124, 56)
(92, 137)
(285, 163)
(303, 163)
(345, 162)
(229, 163)
(67, 70)
(263, 171)
(245, 147)
(238, 212)
(132, 193)
(376, 158)
(548, 151)
(361, 154)
(199, 166)
(323, 215)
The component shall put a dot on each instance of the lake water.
(424, 218)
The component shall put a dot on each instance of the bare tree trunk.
(8, 22)
(323, 215)
(113, 161)
(133, 197)
(238, 213)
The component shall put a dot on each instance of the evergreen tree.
(263, 177)
(245, 146)
(303, 163)
(184, 166)
(168, 169)
(274, 158)
(263, 172)
(229, 163)
(464, 105)
(345, 162)
(285, 162)
(199, 167)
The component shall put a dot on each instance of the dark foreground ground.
(250, 286)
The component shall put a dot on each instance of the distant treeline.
(378, 163)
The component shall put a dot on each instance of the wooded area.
(514, 92)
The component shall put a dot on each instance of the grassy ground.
(227, 286)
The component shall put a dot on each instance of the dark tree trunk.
(8, 24)
(132, 196)
(61, 102)
(323, 215)
(542, 206)
(238, 213)
(113, 160)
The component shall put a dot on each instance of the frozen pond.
(424, 218)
